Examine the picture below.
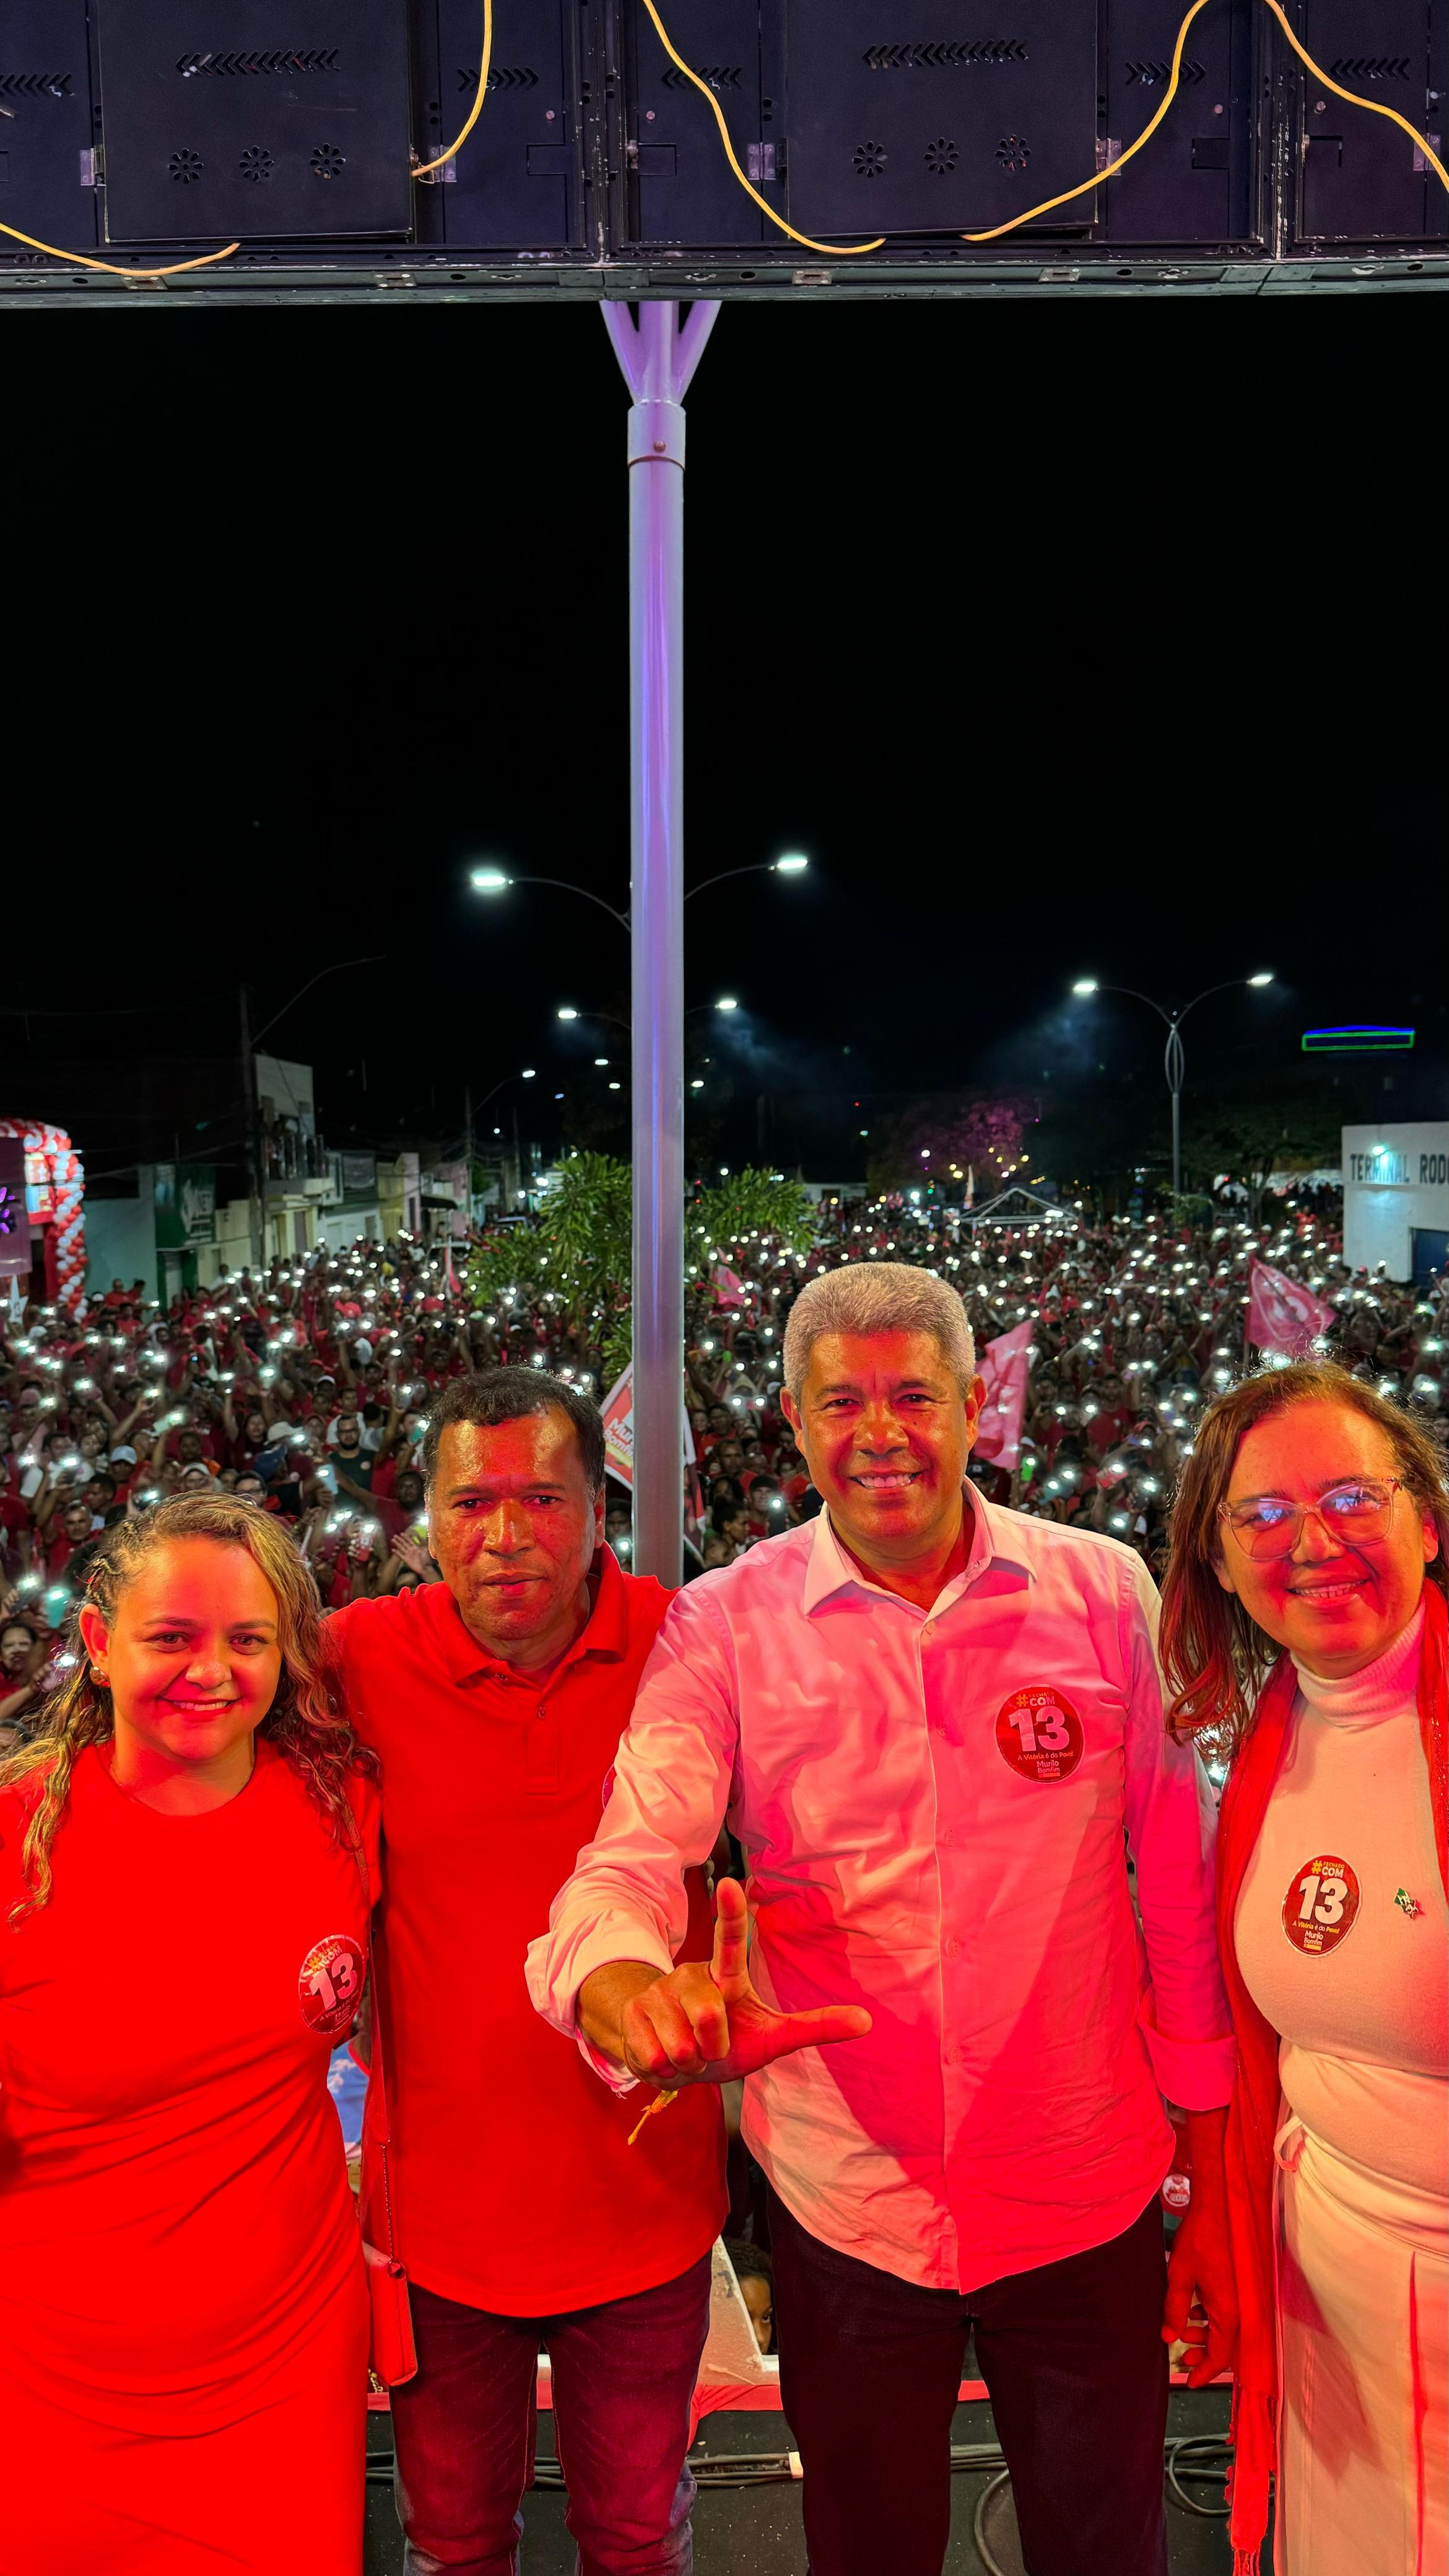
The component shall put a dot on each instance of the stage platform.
(755, 2530)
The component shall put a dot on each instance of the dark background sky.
(1061, 638)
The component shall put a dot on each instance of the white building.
(1396, 1197)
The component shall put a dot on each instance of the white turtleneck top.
(1342, 1929)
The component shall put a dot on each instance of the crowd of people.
(1137, 1325)
(304, 1390)
(971, 1965)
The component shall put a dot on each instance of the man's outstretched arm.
(604, 1972)
(702, 2023)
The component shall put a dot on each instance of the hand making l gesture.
(704, 2022)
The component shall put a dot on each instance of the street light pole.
(658, 356)
(1175, 1066)
(1174, 1063)
(493, 880)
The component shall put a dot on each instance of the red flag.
(1005, 1364)
(1283, 1315)
(619, 1427)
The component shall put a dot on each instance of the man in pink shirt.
(936, 1728)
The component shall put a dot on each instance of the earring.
(104, 1679)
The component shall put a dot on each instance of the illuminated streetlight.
(1174, 1061)
(566, 1011)
(727, 1002)
(529, 1072)
(494, 880)
(793, 864)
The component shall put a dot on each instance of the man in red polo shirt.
(496, 1699)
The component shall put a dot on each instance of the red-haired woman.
(1299, 1626)
(187, 1866)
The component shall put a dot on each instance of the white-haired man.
(936, 1728)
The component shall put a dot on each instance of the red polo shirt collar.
(604, 1633)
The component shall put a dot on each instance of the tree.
(577, 1259)
(1249, 1138)
(943, 1140)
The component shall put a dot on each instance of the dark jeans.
(623, 2376)
(1076, 2369)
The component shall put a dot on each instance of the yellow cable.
(421, 171)
(1168, 95)
(78, 258)
(832, 250)
(1375, 106)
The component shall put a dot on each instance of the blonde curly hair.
(310, 1732)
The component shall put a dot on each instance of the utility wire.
(833, 250)
(422, 169)
(110, 267)
(1086, 186)
(1375, 106)
(208, 259)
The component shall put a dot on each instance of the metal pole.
(251, 1126)
(1176, 1067)
(658, 356)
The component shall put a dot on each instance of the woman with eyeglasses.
(1304, 1632)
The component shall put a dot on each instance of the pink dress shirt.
(932, 1806)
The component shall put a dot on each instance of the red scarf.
(1253, 2112)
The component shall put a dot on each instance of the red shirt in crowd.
(513, 2187)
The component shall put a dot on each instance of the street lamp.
(566, 1011)
(490, 881)
(493, 880)
(1174, 1061)
(793, 864)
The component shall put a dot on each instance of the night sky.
(1062, 640)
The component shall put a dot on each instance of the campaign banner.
(1005, 1364)
(1283, 1315)
(619, 1428)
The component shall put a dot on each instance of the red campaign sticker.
(1039, 1733)
(1321, 1905)
(329, 1985)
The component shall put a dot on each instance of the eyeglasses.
(1354, 1512)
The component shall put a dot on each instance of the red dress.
(183, 2327)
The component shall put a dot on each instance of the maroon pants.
(623, 2376)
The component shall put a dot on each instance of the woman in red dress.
(188, 1858)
